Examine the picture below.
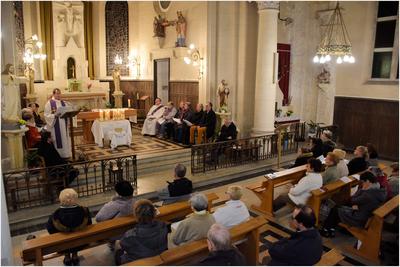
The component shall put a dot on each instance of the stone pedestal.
(12, 140)
(118, 99)
(266, 73)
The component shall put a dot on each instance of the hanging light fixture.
(335, 41)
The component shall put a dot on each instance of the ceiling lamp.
(335, 41)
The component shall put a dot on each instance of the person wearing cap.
(328, 144)
(341, 166)
(120, 205)
(38, 120)
(303, 247)
(235, 211)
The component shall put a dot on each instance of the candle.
(100, 115)
(129, 103)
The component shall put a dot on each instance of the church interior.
(199, 133)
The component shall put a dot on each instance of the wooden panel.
(364, 121)
(184, 91)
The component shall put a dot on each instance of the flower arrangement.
(289, 113)
(313, 126)
(223, 109)
(22, 122)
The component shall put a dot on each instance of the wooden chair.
(265, 190)
(370, 236)
(193, 252)
(35, 250)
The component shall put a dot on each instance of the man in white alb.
(155, 112)
(56, 125)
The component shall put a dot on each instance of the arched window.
(117, 34)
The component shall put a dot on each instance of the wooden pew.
(265, 191)
(370, 236)
(193, 252)
(34, 250)
(338, 189)
(330, 258)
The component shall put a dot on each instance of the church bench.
(265, 190)
(338, 190)
(330, 258)
(371, 234)
(34, 250)
(193, 252)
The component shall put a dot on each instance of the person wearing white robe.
(57, 126)
(150, 123)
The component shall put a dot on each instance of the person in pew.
(169, 113)
(328, 144)
(170, 126)
(196, 225)
(52, 158)
(304, 247)
(331, 172)
(341, 166)
(119, 206)
(360, 161)
(69, 217)
(209, 121)
(147, 238)
(299, 194)
(382, 180)
(198, 118)
(228, 131)
(179, 189)
(235, 211)
(182, 130)
(32, 136)
(222, 253)
(317, 148)
(368, 198)
(38, 120)
(304, 154)
(155, 113)
(394, 178)
(372, 155)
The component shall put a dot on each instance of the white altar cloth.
(106, 129)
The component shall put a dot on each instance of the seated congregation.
(147, 239)
(185, 125)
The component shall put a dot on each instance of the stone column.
(267, 68)
(13, 142)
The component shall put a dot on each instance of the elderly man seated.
(155, 113)
(235, 211)
(196, 225)
(222, 253)
(167, 117)
(228, 131)
(179, 189)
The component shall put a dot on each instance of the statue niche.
(71, 68)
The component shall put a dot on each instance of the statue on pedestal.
(117, 79)
(180, 30)
(10, 94)
(30, 76)
(223, 93)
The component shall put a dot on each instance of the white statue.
(223, 93)
(30, 76)
(10, 94)
(72, 21)
(117, 79)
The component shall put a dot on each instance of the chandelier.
(33, 50)
(335, 41)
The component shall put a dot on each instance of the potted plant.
(313, 127)
(289, 113)
(22, 123)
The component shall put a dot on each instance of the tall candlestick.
(129, 103)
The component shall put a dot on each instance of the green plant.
(22, 122)
(313, 126)
(224, 109)
(289, 113)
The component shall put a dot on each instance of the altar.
(118, 132)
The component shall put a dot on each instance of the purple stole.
(57, 130)
(154, 111)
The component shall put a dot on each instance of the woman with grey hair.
(222, 253)
(197, 224)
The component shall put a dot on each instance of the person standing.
(57, 126)
(210, 120)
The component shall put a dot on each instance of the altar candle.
(100, 115)
(129, 103)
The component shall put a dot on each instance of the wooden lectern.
(70, 115)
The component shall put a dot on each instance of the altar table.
(106, 129)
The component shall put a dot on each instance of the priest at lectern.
(53, 109)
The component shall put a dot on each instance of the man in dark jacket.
(179, 189)
(228, 131)
(304, 247)
(328, 144)
(210, 120)
(221, 251)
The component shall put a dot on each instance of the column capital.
(262, 5)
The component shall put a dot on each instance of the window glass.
(385, 31)
(388, 8)
(381, 65)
